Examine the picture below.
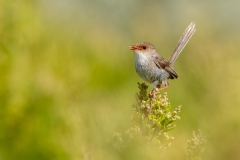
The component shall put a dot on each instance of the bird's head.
(143, 48)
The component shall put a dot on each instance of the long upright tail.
(182, 43)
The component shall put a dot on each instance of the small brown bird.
(152, 67)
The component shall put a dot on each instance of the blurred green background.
(67, 77)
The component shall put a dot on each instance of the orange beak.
(133, 47)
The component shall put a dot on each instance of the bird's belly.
(149, 72)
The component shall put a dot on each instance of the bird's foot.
(162, 88)
(151, 93)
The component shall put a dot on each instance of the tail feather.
(182, 43)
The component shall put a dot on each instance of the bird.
(152, 67)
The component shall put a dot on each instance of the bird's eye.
(144, 47)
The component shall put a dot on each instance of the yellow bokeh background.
(67, 77)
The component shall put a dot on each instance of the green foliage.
(153, 119)
(196, 146)
(67, 77)
(154, 115)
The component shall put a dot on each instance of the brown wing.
(161, 63)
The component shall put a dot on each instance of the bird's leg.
(157, 87)
(162, 88)
(151, 93)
